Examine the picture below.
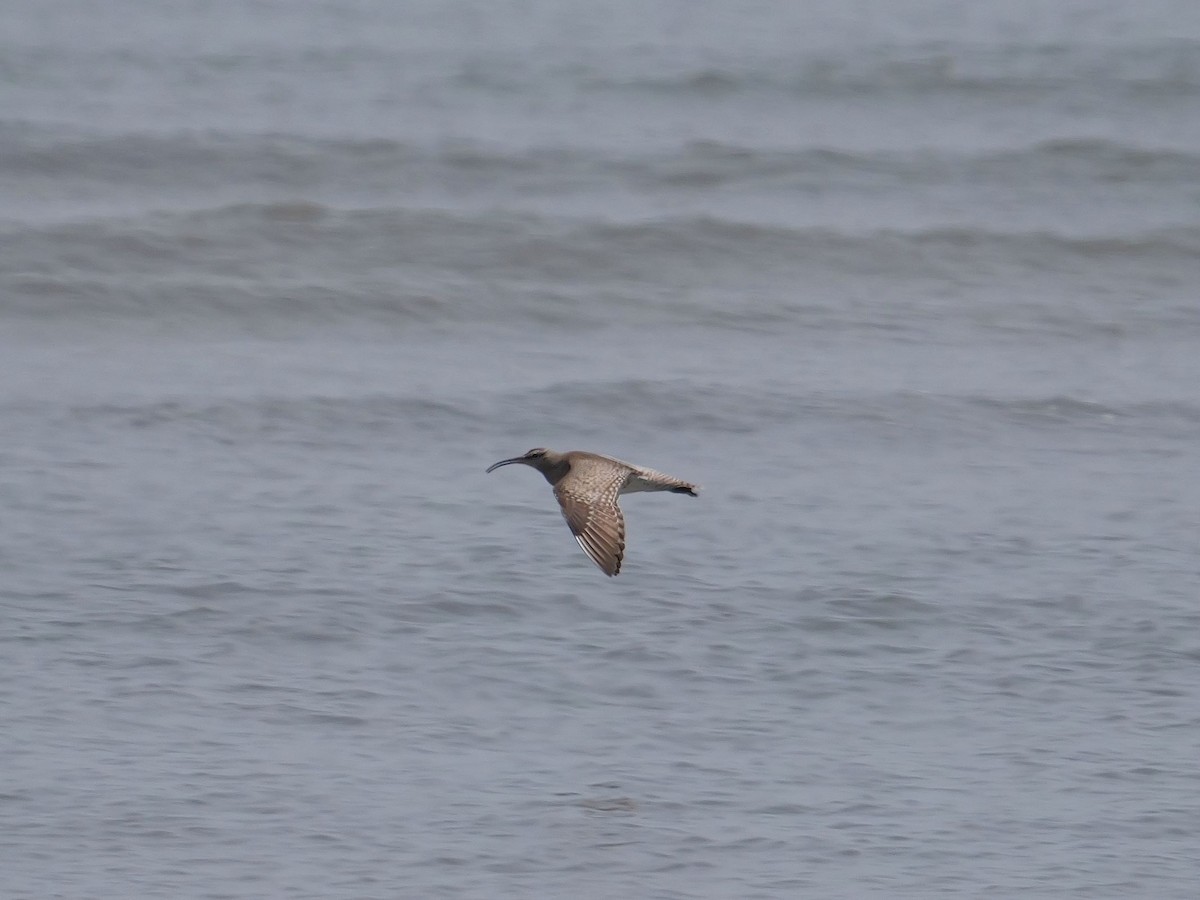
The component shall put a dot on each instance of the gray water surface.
(908, 288)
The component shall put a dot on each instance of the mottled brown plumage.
(586, 486)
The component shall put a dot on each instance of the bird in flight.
(587, 486)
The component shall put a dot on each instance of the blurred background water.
(909, 287)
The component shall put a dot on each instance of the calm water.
(909, 287)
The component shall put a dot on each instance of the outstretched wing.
(596, 521)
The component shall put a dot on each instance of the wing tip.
(602, 560)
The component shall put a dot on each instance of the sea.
(910, 288)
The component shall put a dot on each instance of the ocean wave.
(705, 164)
(1066, 409)
(156, 233)
(272, 416)
(711, 407)
(1134, 155)
(90, 176)
(1162, 67)
(297, 260)
(636, 406)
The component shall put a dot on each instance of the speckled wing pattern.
(589, 504)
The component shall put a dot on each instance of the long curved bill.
(505, 462)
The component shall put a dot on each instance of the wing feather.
(596, 521)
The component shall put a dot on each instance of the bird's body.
(587, 486)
